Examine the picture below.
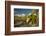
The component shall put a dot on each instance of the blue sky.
(22, 11)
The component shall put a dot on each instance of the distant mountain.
(24, 14)
(19, 15)
(29, 14)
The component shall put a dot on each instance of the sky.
(22, 11)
